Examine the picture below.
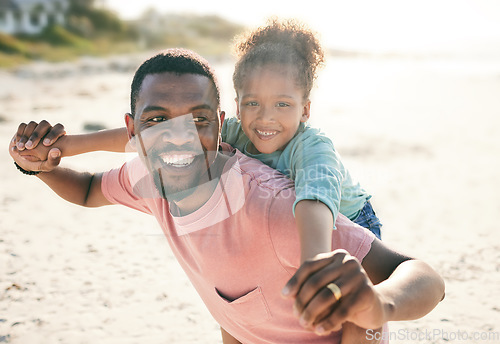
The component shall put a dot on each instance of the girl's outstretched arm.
(29, 136)
(315, 224)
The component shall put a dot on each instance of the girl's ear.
(306, 112)
(237, 108)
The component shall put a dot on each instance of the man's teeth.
(178, 160)
(266, 133)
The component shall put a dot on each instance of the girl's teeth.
(266, 133)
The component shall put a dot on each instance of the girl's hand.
(317, 306)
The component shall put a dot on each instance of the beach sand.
(421, 135)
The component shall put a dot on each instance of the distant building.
(31, 16)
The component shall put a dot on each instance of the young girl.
(273, 78)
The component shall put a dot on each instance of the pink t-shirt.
(240, 248)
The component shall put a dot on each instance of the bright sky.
(360, 24)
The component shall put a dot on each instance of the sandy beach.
(422, 135)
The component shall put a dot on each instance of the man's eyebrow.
(152, 108)
(202, 107)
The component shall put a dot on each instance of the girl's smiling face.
(271, 107)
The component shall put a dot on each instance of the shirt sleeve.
(229, 131)
(317, 171)
(233, 134)
(351, 237)
(117, 187)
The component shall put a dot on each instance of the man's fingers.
(55, 133)
(28, 136)
(347, 278)
(315, 286)
(20, 131)
(21, 138)
(359, 299)
(309, 268)
(37, 134)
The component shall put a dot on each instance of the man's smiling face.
(176, 125)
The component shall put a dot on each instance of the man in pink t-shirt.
(240, 247)
(228, 220)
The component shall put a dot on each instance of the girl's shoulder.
(308, 134)
(231, 127)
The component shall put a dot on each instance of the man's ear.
(306, 113)
(129, 122)
(222, 116)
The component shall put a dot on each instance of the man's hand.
(318, 307)
(29, 135)
(26, 151)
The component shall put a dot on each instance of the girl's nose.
(266, 114)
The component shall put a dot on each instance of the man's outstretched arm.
(405, 289)
(80, 188)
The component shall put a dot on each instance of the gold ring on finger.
(337, 293)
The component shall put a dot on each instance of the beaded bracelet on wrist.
(29, 173)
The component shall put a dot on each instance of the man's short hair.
(179, 61)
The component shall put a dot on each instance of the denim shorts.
(368, 219)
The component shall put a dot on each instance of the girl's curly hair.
(280, 42)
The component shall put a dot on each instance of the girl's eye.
(252, 104)
(282, 104)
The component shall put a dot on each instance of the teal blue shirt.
(311, 161)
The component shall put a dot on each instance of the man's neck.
(203, 192)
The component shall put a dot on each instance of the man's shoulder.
(257, 175)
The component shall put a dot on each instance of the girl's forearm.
(315, 224)
(111, 140)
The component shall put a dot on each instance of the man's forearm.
(81, 188)
(227, 338)
(412, 291)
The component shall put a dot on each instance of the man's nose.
(181, 130)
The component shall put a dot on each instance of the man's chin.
(173, 190)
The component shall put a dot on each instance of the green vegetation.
(207, 35)
(98, 32)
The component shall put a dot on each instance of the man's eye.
(157, 119)
(199, 119)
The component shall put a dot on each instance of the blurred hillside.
(208, 35)
(92, 30)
